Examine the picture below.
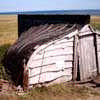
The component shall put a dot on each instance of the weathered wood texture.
(98, 52)
(25, 78)
(52, 62)
(75, 64)
(85, 31)
(87, 57)
(38, 36)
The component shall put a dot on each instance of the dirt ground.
(78, 91)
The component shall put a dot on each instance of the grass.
(8, 35)
(8, 29)
(54, 92)
(95, 22)
(3, 50)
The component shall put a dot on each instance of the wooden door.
(87, 57)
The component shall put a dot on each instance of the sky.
(41, 5)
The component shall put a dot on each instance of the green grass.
(55, 92)
(3, 50)
(8, 35)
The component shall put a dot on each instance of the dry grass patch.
(56, 92)
(95, 22)
(8, 29)
(95, 19)
(8, 35)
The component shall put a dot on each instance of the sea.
(92, 12)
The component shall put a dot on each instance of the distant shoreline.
(62, 12)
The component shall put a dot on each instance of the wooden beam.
(75, 63)
(25, 76)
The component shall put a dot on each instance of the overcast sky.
(38, 5)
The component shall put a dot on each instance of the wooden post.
(96, 52)
(75, 63)
(25, 76)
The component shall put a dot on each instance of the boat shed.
(54, 49)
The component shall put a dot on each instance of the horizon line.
(46, 10)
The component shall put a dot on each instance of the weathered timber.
(75, 64)
(46, 43)
(57, 58)
(50, 76)
(98, 52)
(25, 77)
(87, 58)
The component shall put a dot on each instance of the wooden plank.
(56, 71)
(50, 76)
(98, 36)
(87, 61)
(59, 80)
(98, 51)
(58, 46)
(67, 57)
(56, 63)
(65, 40)
(25, 76)
(85, 31)
(72, 34)
(49, 60)
(47, 47)
(56, 52)
(54, 43)
(36, 57)
(68, 64)
(98, 62)
(49, 67)
(98, 47)
(75, 64)
(98, 42)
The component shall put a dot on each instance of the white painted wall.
(51, 61)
